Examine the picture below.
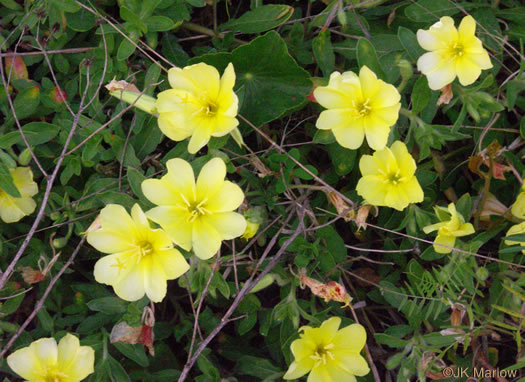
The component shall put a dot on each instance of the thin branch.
(42, 300)
(54, 51)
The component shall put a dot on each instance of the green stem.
(484, 195)
(207, 31)
(412, 116)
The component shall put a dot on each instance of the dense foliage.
(219, 190)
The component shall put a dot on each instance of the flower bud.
(405, 67)
(141, 101)
(25, 157)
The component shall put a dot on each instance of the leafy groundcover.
(252, 190)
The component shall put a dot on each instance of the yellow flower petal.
(227, 82)
(377, 132)
(372, 189)
(83, 364)
(445, 240)
(46, 350)
(319, 374)
(330, 98)
(407, 164)
(352, 338)
(13, 209)
(299, 368)
(352, 363)
(335, 119)
(228, 198)
(173, 263)
(350, 136)
(328, 328)
(428, 40)
(370, 85)
(518, 208)
(467, 28)
(396, 198)
(25, 363)
(179, 80)
(211, 178)
(205, 239)
(115, 217)
(467, 71)
(108, 241)
(412, 190)
(200, 138)
(173, 125)
(181, 177)
(131, 286)
(175, 222)
(516, 230)
(155, 285)
(204, 76)
(229, 225)
(225, 125)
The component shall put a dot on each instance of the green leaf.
(45, 320)
(125, 50)
(366, 55)
(11, 4)
(269, 81)
(108, 305)
(261, 19)
(135, 179)
(159, 24)
(421, 95)
(324, 53)
(134, 352)
(409, 41)
(324, 137)
(27, 101)
(66, 5)
(258, 367)
(36, 133)
(343, 159)
(6, 181)
(81, 21)
(148, 7)
(431, 10)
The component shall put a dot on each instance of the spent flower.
(201, 104)
(389, 178)
(328, 353)
(198, 214)
(452, 225)
(141, 259)
(358, 106)
(452, 53)
(44, 360)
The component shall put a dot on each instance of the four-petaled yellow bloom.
(329, 354)
(452, 52)
(201, 104)
(13, 209)
(516, 230)
(358, 106)
(388, 178)
(44, 361)
(196, 215)
(141, 259)
(448, 230)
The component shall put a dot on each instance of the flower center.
(323, 354)
(211, 109)
(196, 209)
(54, 375)
(457, 49)
(362, 108)
(392, 177)
(145, 248)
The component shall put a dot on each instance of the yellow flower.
(198, 214)
(518, 208)
(388, 178)
(448, 230)
(251, 230)
(13, 209)
(452, 52)
(516, 230)
(329, 354)
(141, 259)
(201, 104)
(358, 106)
(44, 361)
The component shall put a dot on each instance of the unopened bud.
(60, 242)
(25, 157)
(405, 67)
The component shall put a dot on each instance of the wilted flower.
(448, 230)
(516, 230)
(452, 52)
(329, 354)
(141, 259)
(388, 178)
(358, 106)
(329, 291)
(13, 209)
(201, 104)
(196, 215)
(43, 360)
